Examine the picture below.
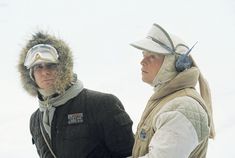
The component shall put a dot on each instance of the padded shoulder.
(105, 101)
(192, 110)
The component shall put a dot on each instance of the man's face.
(45, 75)
(151, 64)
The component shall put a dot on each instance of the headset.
(184, 61)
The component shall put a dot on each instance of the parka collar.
(185, 79)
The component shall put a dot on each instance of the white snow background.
(99, 34)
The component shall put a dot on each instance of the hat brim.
(150, 46)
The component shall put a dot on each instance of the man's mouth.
(143, 71)
(47, 80)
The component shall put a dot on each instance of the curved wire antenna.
(187, 53)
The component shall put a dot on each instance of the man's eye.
(51, 66)
(38, 67)
(152, 57)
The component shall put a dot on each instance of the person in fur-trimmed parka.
(177, 121)
(71, 121)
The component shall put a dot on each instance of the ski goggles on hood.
(41, 53)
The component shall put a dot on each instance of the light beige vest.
(145, 130)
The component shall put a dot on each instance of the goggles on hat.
(41, 53)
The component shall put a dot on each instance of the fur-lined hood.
(65, 65)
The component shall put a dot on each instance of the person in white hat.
(177, 121)
(71, 121)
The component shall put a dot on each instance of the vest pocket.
(78, 131)
(77, 141)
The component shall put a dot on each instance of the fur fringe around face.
(65, 66)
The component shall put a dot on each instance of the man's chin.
(48, 91)
(146, 81)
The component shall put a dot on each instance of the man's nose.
(143, 62)
(46, 71)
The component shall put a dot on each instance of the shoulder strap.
(44, 136)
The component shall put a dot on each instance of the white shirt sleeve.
(175, 137)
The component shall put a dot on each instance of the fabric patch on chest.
(143, 135)
(75, 118)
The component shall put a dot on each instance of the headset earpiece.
(184, 61)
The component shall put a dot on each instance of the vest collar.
(185, 79)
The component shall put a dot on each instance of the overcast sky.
(99, 33)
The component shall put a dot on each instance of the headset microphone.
(184, 62)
